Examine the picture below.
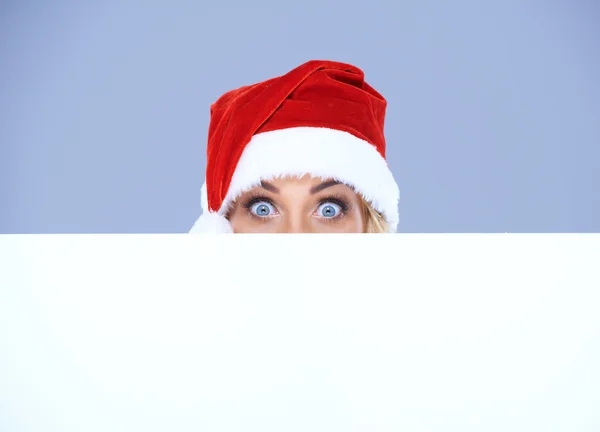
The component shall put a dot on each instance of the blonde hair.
(375, 223)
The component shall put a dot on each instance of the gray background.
(493, 122)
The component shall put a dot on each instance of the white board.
(300, 333)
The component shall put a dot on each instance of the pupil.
(328, 211)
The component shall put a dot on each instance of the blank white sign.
(300, 333)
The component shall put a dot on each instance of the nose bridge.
(296, 222)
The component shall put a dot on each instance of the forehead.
(302, 185)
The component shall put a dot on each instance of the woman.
(300, 153)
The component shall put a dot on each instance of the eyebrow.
(268, 186)
(324, 185)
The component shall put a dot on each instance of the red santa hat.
(320, 119)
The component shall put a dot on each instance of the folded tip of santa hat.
(212, 223)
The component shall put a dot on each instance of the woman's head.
(304, 204)
(283, 140)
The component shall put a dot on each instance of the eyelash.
(339, 200)
(253, 199)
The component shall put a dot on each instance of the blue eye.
(329, 210)
(262, 209)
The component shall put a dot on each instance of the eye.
(329, 210)
(263, 209)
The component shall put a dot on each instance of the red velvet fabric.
(316, 94)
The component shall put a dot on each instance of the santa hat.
(321, 119)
